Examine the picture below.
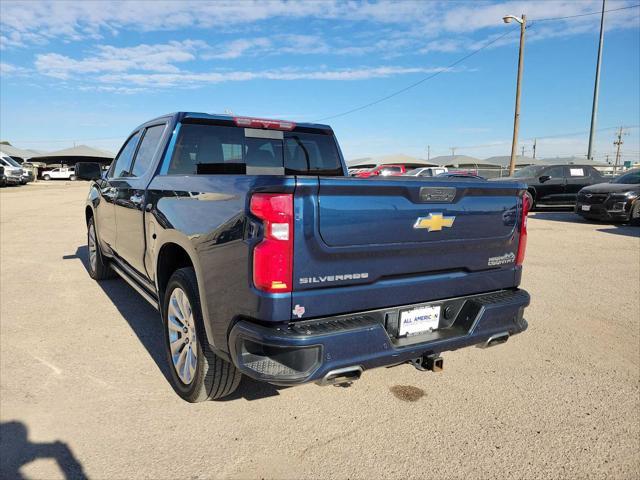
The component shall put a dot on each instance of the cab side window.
(555, 172)
(122, 163)
(146, 152)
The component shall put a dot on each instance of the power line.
(419, 82)
(541, 137)
(586, 14)
(408, 87)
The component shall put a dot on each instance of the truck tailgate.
(374, 243)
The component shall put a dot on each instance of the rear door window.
(216, 149)
(122, 163)
(146, 152)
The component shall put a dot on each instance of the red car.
(383, 171)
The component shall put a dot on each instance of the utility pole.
(428, 153)
(596, 87)
(535, 141)
(516, 117)
(618, 143)
(453, 152)
(523, 151)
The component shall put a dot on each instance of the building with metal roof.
(70, 156)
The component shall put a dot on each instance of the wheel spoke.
(176, 344)
(181, 361)
(174, 323)
(174, 309)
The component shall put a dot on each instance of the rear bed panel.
(356, 246)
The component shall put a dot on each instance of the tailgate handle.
(437, 194)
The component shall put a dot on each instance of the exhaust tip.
(494, 340)
(341, 376)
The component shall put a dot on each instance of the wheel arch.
(172, 255)
(88, 213)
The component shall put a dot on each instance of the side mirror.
(544, 178)
(88, 171)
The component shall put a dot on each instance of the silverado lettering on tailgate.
(334, 278)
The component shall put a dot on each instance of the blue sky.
(89, 72)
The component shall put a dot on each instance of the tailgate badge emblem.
(298, 311)
(434, 222)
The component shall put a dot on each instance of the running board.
(146, 295)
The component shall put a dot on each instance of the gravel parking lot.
(83, 387)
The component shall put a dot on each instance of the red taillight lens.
(522, 244)
(251, 122)
(273, 256)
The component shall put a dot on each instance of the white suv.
(60, 173)
(12, 169)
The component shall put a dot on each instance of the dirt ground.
(83, 387)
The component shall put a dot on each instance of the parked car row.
(14, 173)
(593, 195)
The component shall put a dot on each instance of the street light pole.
(596, 87)
(516, 118)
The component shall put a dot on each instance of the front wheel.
(634, 216)
(98, 266)
(72, 178)
(197, 373)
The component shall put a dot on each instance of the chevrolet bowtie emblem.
(434, 222)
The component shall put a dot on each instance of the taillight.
(522, 244)
(264, 123)
(273, 256)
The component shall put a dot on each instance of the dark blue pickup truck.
(265, 258)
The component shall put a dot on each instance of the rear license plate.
(419, 320)
(586, 208)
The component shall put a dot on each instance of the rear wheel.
(46, 177)
(197, 373)
(72, 178)
(98, 266)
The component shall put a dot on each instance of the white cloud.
(8, 69)
(24, 23)
(149, 58)
(191, 79)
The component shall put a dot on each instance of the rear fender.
(154, 247)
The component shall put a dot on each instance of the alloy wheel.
(93, 250)
(183, 341)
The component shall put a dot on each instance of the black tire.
(46, 177)
(98, 270)
(634, 216)
(214, 377)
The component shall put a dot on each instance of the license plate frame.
(418, 320)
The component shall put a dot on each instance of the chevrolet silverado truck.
(265, 259)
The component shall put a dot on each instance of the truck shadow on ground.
(18, 451)
(616, 228)
(145, 322)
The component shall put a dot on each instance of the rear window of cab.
(219, 149)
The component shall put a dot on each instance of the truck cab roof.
(215, 117)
